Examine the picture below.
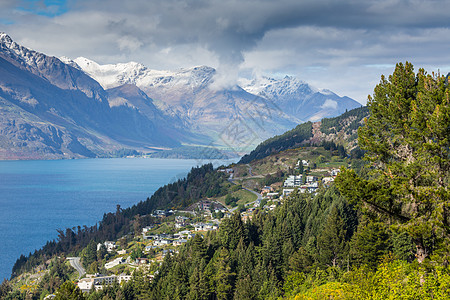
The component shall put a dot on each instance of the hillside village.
(174, 228)
(259, 186)
(248, 189)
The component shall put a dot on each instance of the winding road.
(258, 195)
(75, 263)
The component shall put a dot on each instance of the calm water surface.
(38, 197)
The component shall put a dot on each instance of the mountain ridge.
(129, 106)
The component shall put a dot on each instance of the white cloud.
(329, 104)
(129, 43)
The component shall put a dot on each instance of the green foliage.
(392, 280)
(272, 178)
(407, 130)
(230, 200)
(5, 289)
(69, 291)
(289, 140)
(331, 242)
(336, 124)
(89, 254)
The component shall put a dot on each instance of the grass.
(243, 195)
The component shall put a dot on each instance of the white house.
(327, 180)
(310, 179)
(287, 192)
(179, 242)
(110, 246)
(97, 281)
(305, 163)
(293, 181)
(335, 172)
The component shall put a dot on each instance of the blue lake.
(38, 197)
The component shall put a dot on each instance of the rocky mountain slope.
(232, 118)
(55, 108)
(51, 110)
(342, 130)
(299, 99)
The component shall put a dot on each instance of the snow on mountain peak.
(7, 44)
(24, 56)
(5, 39)
(114, 75)
(287, 85)
(111, 75)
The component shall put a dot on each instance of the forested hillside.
(376, 230)
(306, 135)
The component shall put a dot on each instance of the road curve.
(258, 195)
(75, 263)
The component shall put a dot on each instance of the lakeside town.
(173, 228)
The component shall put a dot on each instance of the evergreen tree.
(407, 139)
(331, 242)
(69, 291)
(224, 276)
(370, 243)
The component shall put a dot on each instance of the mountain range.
(61, 108)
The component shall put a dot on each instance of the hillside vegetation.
(372, 229)
(342, 129)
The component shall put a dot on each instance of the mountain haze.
(299, 99)
(49, 105)
(63, 108)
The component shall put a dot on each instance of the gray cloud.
(312, 39)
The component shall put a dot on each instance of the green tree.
(137, 226)
(69, 291)
(89, 254)
(370, 243)
(101, 253)
(407, 139)
(331, 242)
(224, 277)
(5, 288)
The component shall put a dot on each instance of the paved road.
(75, 262)
(250, 170)
(258, 195)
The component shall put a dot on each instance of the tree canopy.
(406, 139)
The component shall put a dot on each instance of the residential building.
(110, 246)
(293, 181)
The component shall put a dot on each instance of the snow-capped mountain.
(49, 68)
(298, 98)
(174, 90)
(57, 107)
(186, 94)
(49, 109)
(113, 75)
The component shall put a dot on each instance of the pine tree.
(370, 243)
(331, 242)
(224, 276)
(407, 139)
(69, 291)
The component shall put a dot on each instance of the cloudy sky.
(342, 45)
